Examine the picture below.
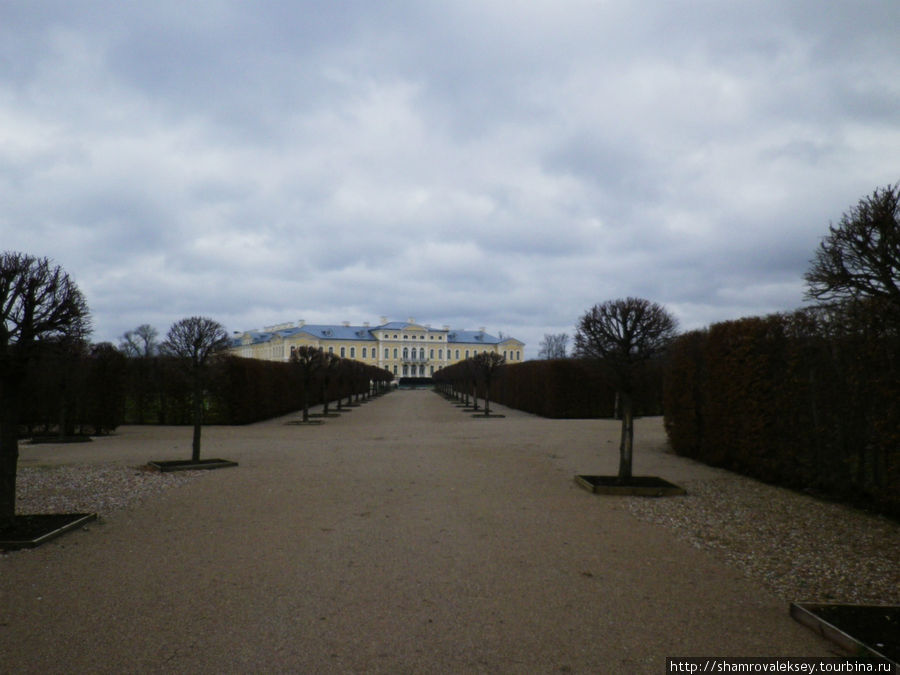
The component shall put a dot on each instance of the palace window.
(352, 352)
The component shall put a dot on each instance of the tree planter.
(640, 486)
(324, 415)
(29, 531)
(869, 632)
(191, 465)
(488, 416)
(54, 438)
(301, 423)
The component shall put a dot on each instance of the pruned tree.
(38, 302)
(331, 364)
(859, 259)
(554, 346)
(487, 365)
(622, 335)
(309, 360)
(195, 340)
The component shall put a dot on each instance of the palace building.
(406, 349)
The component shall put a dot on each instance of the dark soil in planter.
(306, 423)
(489, 416)
(28, 531)
(54, 438)
(191, 465)
(324, 415)
(873, 630)
(641, 486)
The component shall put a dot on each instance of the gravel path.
(407, 537)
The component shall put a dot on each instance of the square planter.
(640, 486)
(33, 530)
(190, 465)
(870, 632)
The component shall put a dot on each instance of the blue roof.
(473, 336)
(341, 332)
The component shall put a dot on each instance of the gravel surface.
(801, 548)
(404, 537)
(101, 488)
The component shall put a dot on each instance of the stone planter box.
(33, 530)
(190, 465)
(641, 486)
(870, 632)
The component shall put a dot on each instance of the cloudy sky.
(465, 162)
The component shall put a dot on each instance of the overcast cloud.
(473, 163)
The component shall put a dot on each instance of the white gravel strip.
(801, 548)
(97, 488)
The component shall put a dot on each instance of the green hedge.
(806, 400)
(95, 390)
(561, 388)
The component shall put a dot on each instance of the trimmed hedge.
(97, 391)
(805, 400)
(561, 388)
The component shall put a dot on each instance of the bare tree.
(140, 342)
(554, 346)
(195, 339)
(38, 302)
(486, 365)
(310, 360)
(860, 257)
(622, 335)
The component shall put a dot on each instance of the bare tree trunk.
(626, 446)
(9, 452)
(198, 418)
(306, 401)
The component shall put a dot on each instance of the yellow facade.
(406, 349)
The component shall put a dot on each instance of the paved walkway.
(402, 537)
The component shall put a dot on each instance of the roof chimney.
(301, 323)
(384, 320)
(345, 324)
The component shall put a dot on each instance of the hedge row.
(569, 388)
(97, 391)
(74, 390)
(806, 400)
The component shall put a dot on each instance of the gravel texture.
(797, 546)
(408, 537)
(800, 547)
(103, 488)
